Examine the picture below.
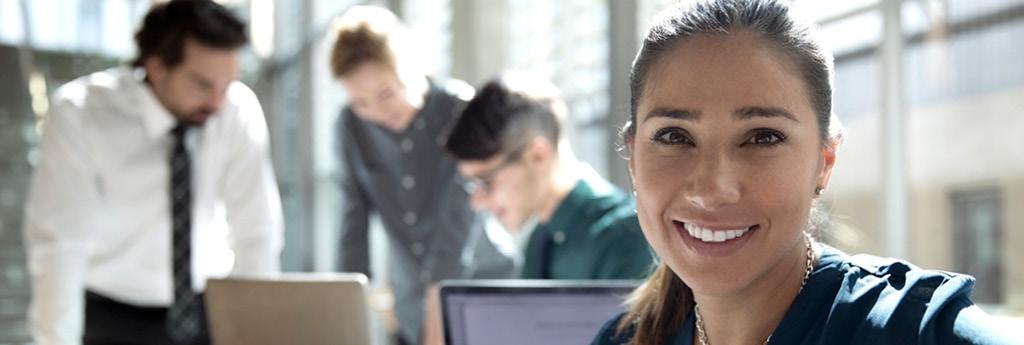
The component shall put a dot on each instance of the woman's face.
(377, 95)
(725, 161)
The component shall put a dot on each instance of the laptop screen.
(536, 312)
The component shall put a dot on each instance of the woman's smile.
(714, 240)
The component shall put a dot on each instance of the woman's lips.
(716, 234)
(715, 241)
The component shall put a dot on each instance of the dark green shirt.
(593, 234)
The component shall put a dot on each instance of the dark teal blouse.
(869, 300)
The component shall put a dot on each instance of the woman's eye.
(671, 136)
(766, 138)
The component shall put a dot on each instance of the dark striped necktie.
(184, 316)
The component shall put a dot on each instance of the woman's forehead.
(724, 72)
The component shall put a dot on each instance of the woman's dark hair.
(659, 306)
(770, 20)
(366, 34)
(167, 25)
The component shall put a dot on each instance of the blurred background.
(931, 93)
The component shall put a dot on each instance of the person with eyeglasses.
(571, 223)
(509, 146)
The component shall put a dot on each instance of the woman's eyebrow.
(674, 113)
(747, 113)
(744, 113)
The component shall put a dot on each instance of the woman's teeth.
(713, 236)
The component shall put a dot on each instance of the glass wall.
(964, 96)
(857, 183)
(567, 42)
(959, 93)
(43, 44)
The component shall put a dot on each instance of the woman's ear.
(828, 160)
(630, 161)
(836, 136)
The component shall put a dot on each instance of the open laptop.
(293, 308)
(535, 312)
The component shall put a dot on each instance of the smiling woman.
(731, 140)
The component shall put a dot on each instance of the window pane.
(978, 220)
(818, 10)
(855, 192)
(568, 43)
(964, 88)
(12, 30)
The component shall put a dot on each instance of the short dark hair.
(167, 25)
(506, 113)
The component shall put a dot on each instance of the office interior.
(931, 93)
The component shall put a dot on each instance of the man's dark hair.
(504, 115)
(167, 25)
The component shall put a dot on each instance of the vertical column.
(326, 101)
(302, 102)
(464, 35)
(623, 44)
(285, 93)
(17, 139)
(396, 7)
(480, 39)
(894, 158)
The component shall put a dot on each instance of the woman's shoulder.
(894, 299)
(888, 282)
(446, 98)
(610, 335)
(446, 94)
(453, 88)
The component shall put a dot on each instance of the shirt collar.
(156, 119)
(575, 205)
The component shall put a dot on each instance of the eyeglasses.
(484, 182)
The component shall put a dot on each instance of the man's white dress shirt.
(98, 212)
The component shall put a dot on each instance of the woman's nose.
(713, 183)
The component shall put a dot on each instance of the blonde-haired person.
(731, 141)
(390, 139)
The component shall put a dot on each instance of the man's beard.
(197, 118)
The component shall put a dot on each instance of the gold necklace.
(703, 336)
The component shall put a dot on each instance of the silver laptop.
(294, 308)
(535, 312)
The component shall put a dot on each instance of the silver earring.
(819, 191)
